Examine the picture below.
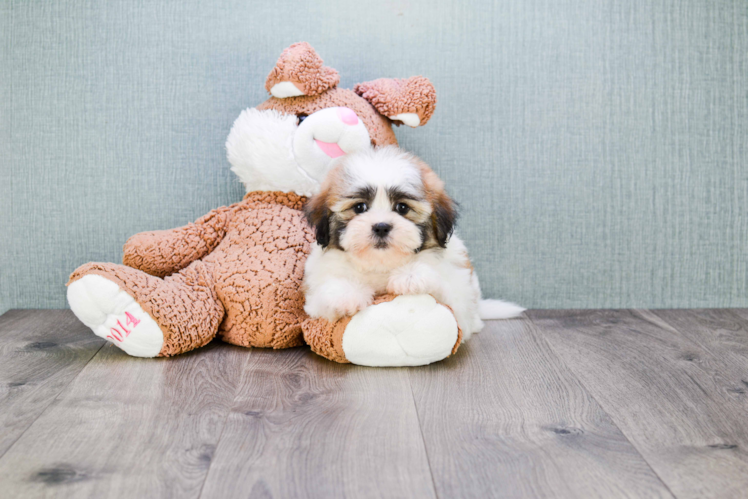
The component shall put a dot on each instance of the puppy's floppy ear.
(444, 215)
(317, 214)
(444, 218)
(317, 209)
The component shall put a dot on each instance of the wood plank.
(505, 418)
(742, 312)
(128, 427)
(724, 334)
(40, 353)
(303, 426)
(664, 390)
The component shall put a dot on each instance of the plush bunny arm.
(161, 253)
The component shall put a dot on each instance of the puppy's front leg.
(415, 279)
(337, 297)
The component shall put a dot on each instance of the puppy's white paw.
(114, 315)
(336, 299)
(415, 280)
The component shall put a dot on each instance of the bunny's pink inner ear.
(299, 71)
(410, 101)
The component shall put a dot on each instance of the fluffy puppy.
(384, 223)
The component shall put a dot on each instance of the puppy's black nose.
(381, 229)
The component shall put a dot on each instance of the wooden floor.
(627, 403)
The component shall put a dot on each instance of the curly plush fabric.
(325, 338)
(185, 305)
(392, 96)
(459, 335)
(259, 269)
(378, 126)
(300, 65)
(247, 288)
(161, 253)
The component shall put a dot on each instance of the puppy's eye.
(402, 208)
(301, 118)
(360, 208)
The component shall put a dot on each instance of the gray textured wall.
(599, 148)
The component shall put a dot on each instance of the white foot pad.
(411, 330)
(114, 315)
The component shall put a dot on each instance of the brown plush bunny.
(237, 271)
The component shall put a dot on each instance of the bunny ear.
(410, 101)
(299, 71)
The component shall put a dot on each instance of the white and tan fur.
(415, 252)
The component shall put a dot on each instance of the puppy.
(384, 224)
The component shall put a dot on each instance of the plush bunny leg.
(143, 315)
(404, 330)
(114, 315)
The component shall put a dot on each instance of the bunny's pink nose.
(348, 116)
